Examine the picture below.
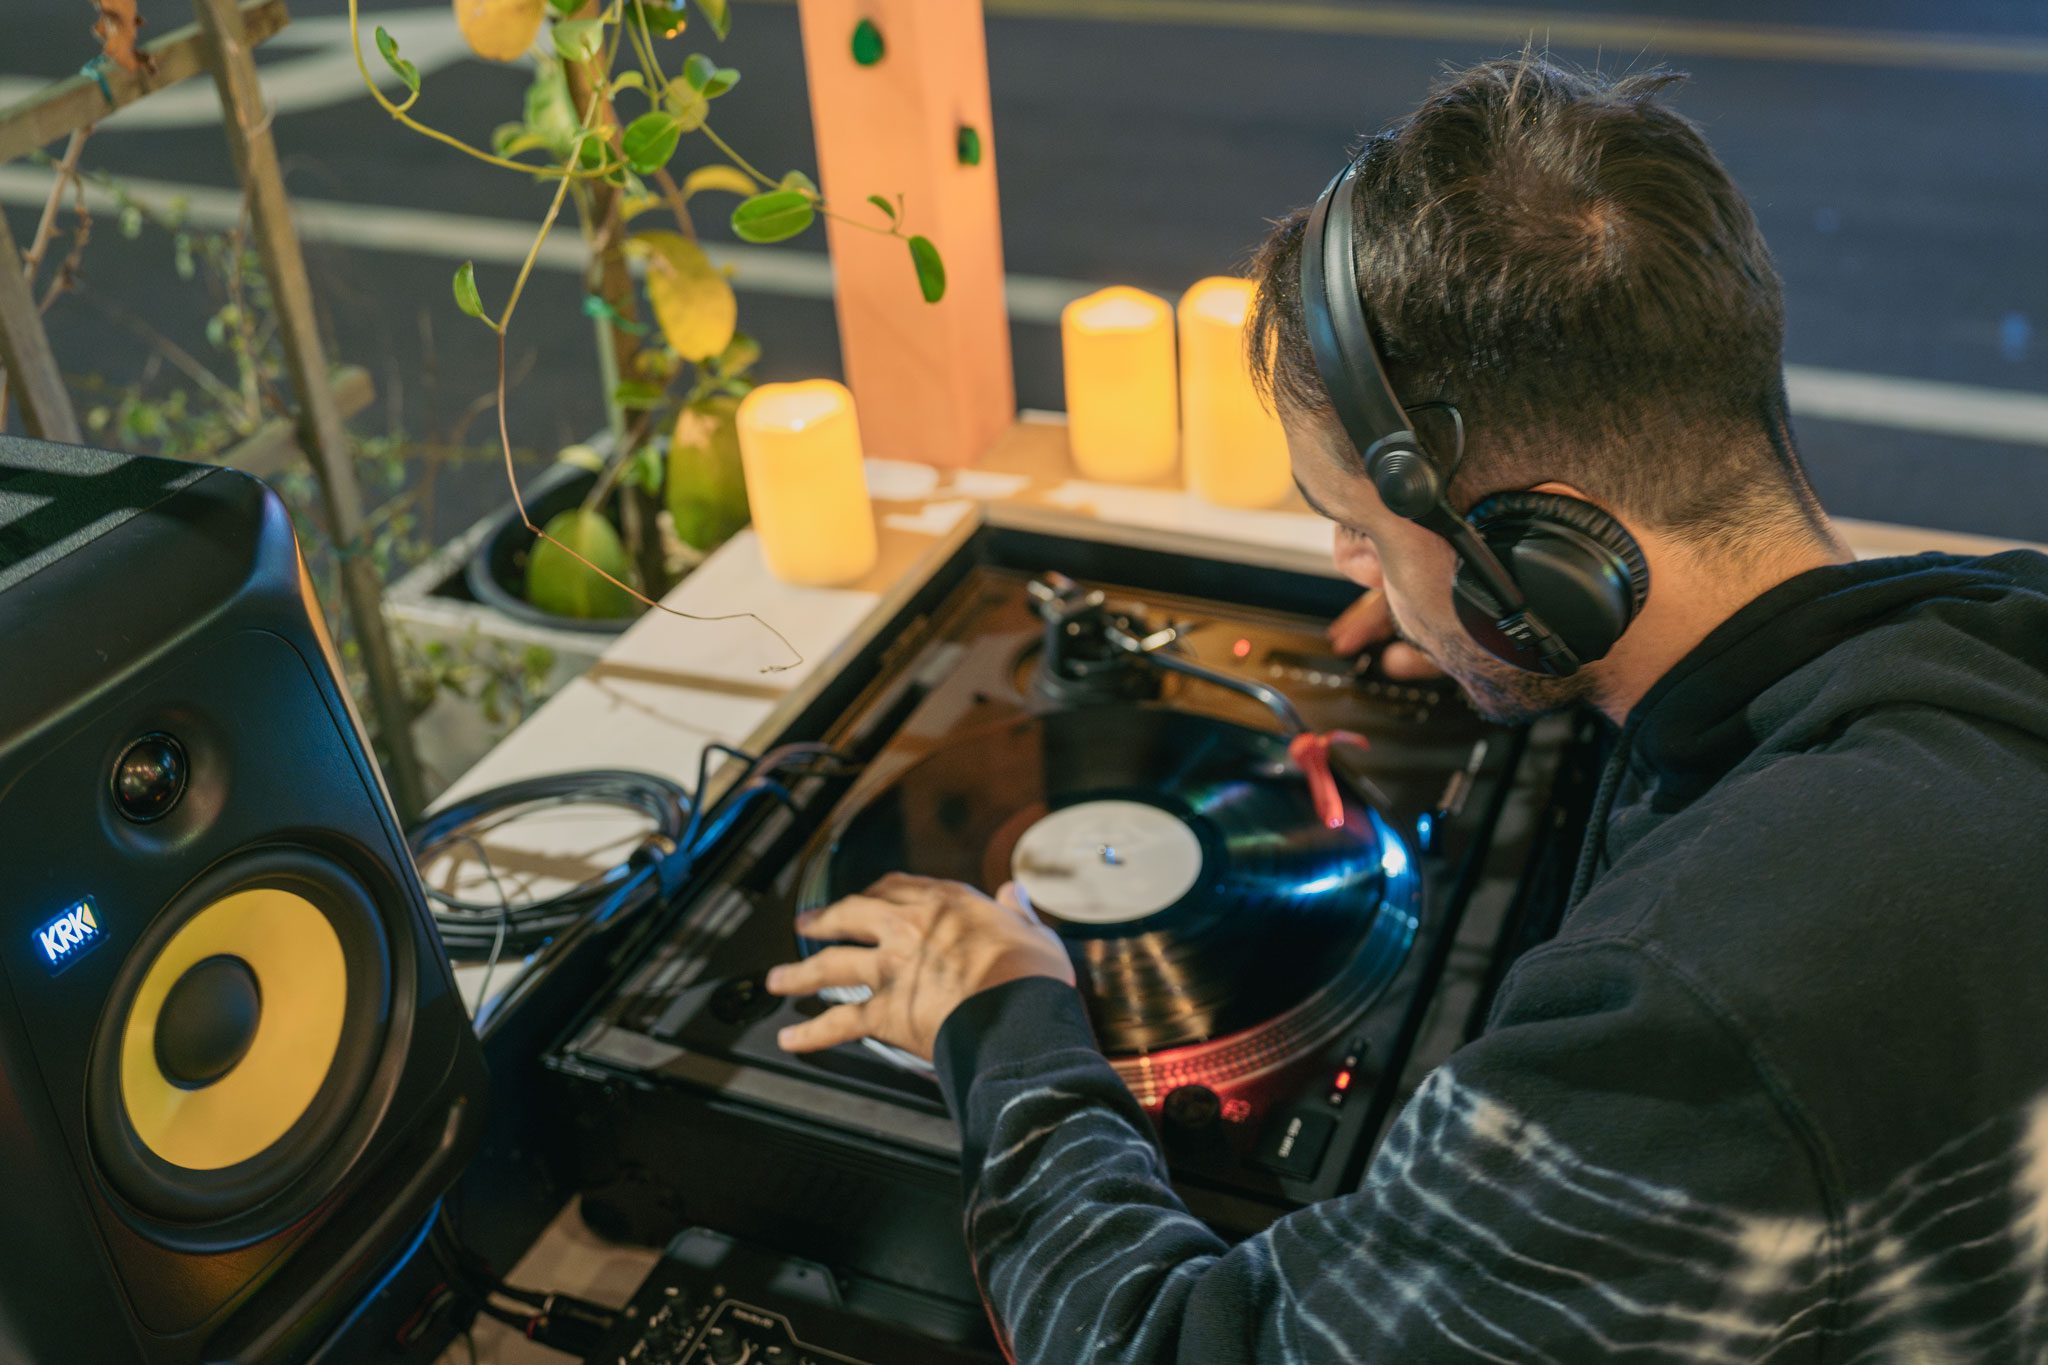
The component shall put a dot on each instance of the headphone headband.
(1408, 480)
(1359, 388)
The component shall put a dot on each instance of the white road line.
(2010, 416)
(307, 66)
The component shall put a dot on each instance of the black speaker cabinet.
(235, 1074)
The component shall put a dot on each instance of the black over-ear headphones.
(1544, 582)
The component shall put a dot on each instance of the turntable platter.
(1179, 856)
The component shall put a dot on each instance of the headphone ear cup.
(1579, 569)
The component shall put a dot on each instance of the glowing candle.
(1234, 450)
(800, 448)
(1118, 347)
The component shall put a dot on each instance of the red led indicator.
(1242, 649)
(1343, 1080)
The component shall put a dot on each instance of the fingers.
(1404, 661)
(1013, 898)
(1365, 622)
(837, 966)
(902, 888)
(856, 919)
(840, 1024)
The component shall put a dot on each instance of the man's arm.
(1602, 1176)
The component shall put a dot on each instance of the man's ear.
(1569, 491)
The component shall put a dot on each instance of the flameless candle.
(1234, 449)
(800, 448)
(1121, 422)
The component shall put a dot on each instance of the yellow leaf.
(501, 30)
(693, 303)
(731, 179)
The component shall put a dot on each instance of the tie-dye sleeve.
(1604, 1175)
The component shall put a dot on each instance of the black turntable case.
(867, 1180)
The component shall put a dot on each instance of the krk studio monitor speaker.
(235, 1073)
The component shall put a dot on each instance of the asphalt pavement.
(1897, 154)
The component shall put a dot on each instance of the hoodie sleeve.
(1604, 1174)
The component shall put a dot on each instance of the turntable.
(1269, 966)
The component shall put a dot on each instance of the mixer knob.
(726, 1348)
(1190, 1110)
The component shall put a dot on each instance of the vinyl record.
(1180, 857)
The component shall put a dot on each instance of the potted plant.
(618, 87)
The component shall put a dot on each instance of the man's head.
(1562, 258)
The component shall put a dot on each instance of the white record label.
(1107, 862)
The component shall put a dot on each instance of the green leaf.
(689, 107)
(739, 356)
(798, 181)
(931, 271)
(650, 140)
(578, 40)
(510, 139)
(720, 15)
(558, 581)
(730, 179)
(466, 297)
(967, 146)
(407, 72)
(888, 209)
(550, 113)
(773, 217)
(708, 77)
(582, 456)
(644, 470)
(564, 8)
(628, 80)
(631, 393)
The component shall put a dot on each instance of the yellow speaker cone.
(292, 950)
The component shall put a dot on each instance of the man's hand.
(1367, 622)
(929, 944)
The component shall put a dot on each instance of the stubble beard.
(1498, 691)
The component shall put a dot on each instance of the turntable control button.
(1294, 1143)
(1191, 1108)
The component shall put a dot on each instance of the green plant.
(675, 371)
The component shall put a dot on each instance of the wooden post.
(933, 381)
(247, 122)
(25, 353)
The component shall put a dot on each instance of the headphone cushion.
(1580, 569)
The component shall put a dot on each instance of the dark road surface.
(1904, 190)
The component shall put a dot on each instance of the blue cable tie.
(97, 69)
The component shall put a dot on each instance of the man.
(1778, 1090)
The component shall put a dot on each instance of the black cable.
(479, 929)
(550, 929)
(483, 857)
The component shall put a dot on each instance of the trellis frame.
(222, 42)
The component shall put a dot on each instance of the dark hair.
(1562, 257)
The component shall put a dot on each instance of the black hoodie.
(1778, 1090)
